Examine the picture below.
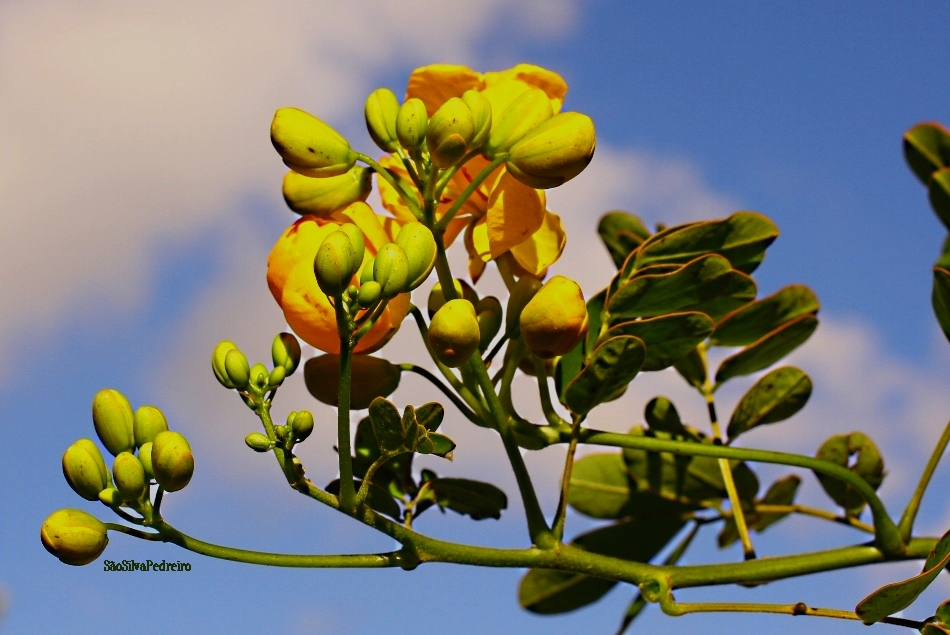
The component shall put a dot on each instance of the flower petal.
(501, 87)
(437, 83)
(544, 247)
(363, 216)
(515, 211)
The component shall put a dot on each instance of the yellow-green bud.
(437, 298)
(129, 475)
(322, 197)
(481, 116)
(145, 458)
(382, 108)
(110, 497)
(528, 111)
(172, 461)
(419, 244)
(335, 263)
(411, 123)
(302, 425)
(259, 375)
(285, 352)
(148, 422)
(490, 315)
(309, 146)
(450, 133)
(237, 369)
(84, 469)
(554, 152)
(519, 297)
(370, 293)
(391, 270)
(258, 442)
(276, 377)
(367, 274)
(357, 241)
(217, 362)
(454, 333)
(555, 319)
(371, 377)
(74, 536)
(112, 416)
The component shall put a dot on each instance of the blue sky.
(140, 197)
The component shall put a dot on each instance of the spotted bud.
(454, 333)
(147, 423)
(73, 536)
(323, 196)
(481, 116)
(237, 369)
(301, 425)
(554, 152)
(112, 417)
(217, 362)
(285, 352)
(172, 461)
(145, 458)
(371, 377)
(450, 133)
(335, 264)
(129, 475)
(490, 316)
(555, 320)
(519, 297)
(85, 470)
(308, 145)
(381, 110)
(411, 123)
(258, 442)
(528, 111)
(369, 294)
(391, 270)
(437, 298)
(419, 244)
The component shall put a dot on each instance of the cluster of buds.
(233, 371)
(463, 326)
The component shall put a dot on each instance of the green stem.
(467, 192)
(156, 508)
(906, 524)
(124, 515)
(386, 176)
(368, 477)
(138, 533)
(495, 349)
(815, 513)
(503, 262)
(547, 406)
(347, 491)
(561, 514)
(464, 409)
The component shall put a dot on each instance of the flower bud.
(519, 297)
(172, 461)
(217, 362)
(454, 333)
(437, 298)
(129, 475)
(411, 123)
(145, 458)
(147, 422)
(382, 108)
(259, 376)
(276, 377)
(450, 133)
(481, 116)
(323, 196)
(335, 263)
(554, 152)
(371, 377)
(489, 314)
(74, 536)
(555, 320)
(85, 470)
(524, 114)
(302, 425)
(309, 146)
(110, 497)
(285, 352)
(419, 244)
(391, 270)
(357, 241)
(112, 416)
(367, 274)
(237, 369)
(258, 442)
(370, 293)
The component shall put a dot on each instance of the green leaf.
(568, 366)
(768, 350)
(473, 498)
(692, 369)
(927, 149)
(430, 415)
(940, 299)
(388, 426)
(600, 487)
(781, 492)
(939, 194)
(898, 596)
(548, 592)
(708, 284)
(395, 475)
(740, 238)
(661, 414)
(437, 444)
(622, 232)
(378, 498)
(857, 452)
(611, 366)
(757, 319)
(668, 338)
(775, 397)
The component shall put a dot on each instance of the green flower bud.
(110, 497)
(309, 146)
(148, 422)
(382, 108)
(450, 133)
(357, 241)
(285, 352)
(367, 274)
(490, 315)
(519, 297)
(323, 196)
(258, 442)
(145, 458)
(335, 264)
(554, 152)
(74, 536)
(370, 293)
(217, 362)
(411, 122)
(112, 416)
(481, 116)
(371, 377)
(302, 425)
(437, 298)
(259, 376)
(391, 270)
(555, 320)
(454, 333)
(85, 470)
(276, 377)
(129, 475)
(236, 369)
(419, 244)
(172, 461)
(528, 111)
